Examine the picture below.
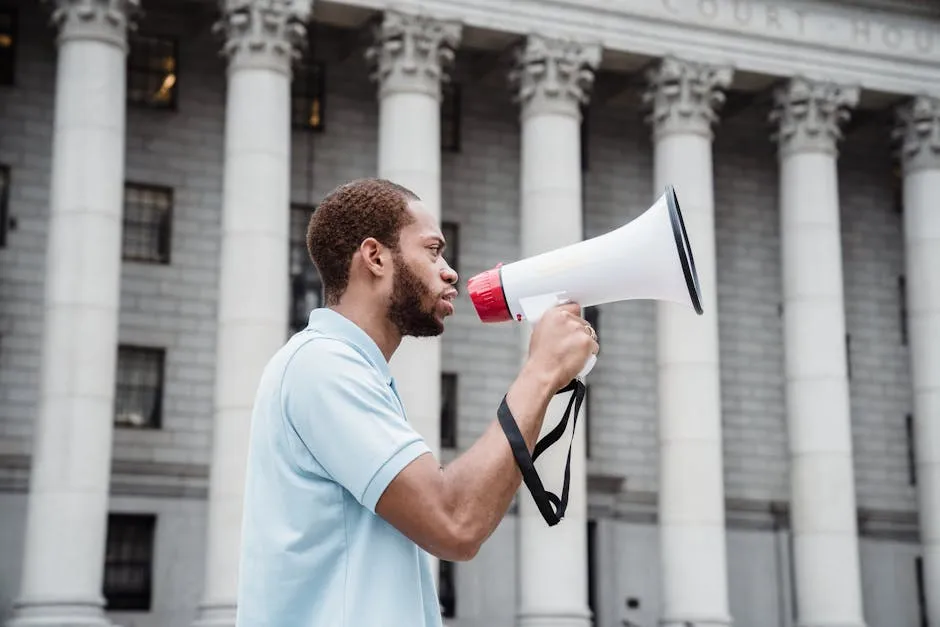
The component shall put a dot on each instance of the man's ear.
(374, 256)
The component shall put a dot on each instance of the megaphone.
(648, 258)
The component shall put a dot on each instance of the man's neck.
(375, 324)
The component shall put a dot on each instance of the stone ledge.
(754, 515)
(128, 478)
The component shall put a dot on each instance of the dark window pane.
(450, 117)
(128, 571)
(451, 233)
(8, 41)
(152, 72)
(139, 393)
(447, 592)
(4, 204)
(449, 410)
(306, 288)
(148, 213)
(307, 96)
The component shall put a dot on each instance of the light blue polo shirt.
(328, 434)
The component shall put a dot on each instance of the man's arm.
(451, 511)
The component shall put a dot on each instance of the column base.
(215, 616)
(58, 614)
(554, 619)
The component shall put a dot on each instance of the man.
(343, 498)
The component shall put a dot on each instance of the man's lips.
(447, 299)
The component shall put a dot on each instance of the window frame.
(450, 381)
(129, 524)
(133, 69)
(154, 421)
(308, 85)
(451, 117)
(164, 239)
(297, 243)
(6, 174)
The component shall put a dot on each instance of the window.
(8, 21)
(451, 233)
(902, 302)
(593, 315)
(148, 213)
(921, 590)
(308, 88)
(447, 593)
(152, 75)
(592, 566)
(139, 394)
(848, 356)
(450, 117)
(306, 288)
(128, 568)
(584, 420)
(4, 204)
(448, 410)
(897, 189)
(911, 452)
(585, 137)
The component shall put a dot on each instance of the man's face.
(422, 289)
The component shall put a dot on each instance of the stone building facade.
(774, 462)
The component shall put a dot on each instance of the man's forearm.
(481, 483)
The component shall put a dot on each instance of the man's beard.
(406, 309)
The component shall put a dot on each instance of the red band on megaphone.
(486, 293)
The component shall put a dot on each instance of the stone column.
(261, 37)
(71, 460)
(919, 130)
(552, 79)
(684, 97)
(823, 518)
(411, 56)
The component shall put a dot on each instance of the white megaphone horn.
(648, 258)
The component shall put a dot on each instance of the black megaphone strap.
(550, 505)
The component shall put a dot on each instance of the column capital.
(554, 75)
(917, 133)
(263, 33)
(809, 115)
(412, 53)
(104, 20)
(685, 96)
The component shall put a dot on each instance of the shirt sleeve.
(348, 417)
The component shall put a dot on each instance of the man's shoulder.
(321, 365)
(329, 353)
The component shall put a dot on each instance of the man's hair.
(348, 215)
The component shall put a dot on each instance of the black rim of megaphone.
(684, 248)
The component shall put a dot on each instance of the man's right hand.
(561, 344)
(451, 512)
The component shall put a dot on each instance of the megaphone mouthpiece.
(488, 297)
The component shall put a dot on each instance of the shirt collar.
(333, 323)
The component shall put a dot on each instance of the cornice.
(816, 40)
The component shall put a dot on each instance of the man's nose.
(449, 274)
